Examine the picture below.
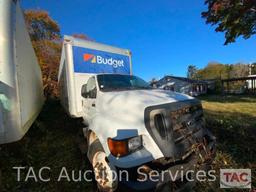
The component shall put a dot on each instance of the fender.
(100, 123)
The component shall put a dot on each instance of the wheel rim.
(105, 174)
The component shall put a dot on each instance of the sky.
(165, 36)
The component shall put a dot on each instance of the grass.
(52, 142)
(232, 119)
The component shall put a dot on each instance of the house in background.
(252, 82)
(211, 85)
(182, 85)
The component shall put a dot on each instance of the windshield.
(110, 82)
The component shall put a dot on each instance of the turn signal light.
(118, 148)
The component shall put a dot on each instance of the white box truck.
(21, 87)
(131, 127)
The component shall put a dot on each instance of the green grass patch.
(232, 119)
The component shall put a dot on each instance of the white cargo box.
(21, 88)
(79, 60)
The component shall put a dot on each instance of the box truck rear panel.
(21, 88)
(29, 77)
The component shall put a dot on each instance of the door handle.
(93, 105)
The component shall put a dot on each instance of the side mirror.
(84, 91)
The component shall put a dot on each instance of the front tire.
(105, 173)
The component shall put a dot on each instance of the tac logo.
(89, 57)
(235, 178)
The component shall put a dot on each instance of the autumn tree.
(46, 40)
(218, 71)
(41, 26)
(233, 17)
(215, 70)
(239, 70)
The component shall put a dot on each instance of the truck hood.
(143, 98)
(129, 101)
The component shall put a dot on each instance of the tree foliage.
(46, 40)
(41, 26)
(192, 71)
(253, 69)
(218, 71)
(215, 70)
(234, 17)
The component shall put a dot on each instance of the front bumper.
(199, 159)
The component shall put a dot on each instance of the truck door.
(89, 99)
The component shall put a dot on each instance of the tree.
(41, 26)
(192, 71)
(215, 70)
(46, 40)
(229, 69)
(234, 17)
(239, 70)
(252, 69)
(218, 71)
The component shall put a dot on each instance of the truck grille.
(175, 127)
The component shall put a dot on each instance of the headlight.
(134, 143)
(124, 147)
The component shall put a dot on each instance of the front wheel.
(105, 173)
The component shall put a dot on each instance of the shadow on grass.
(228, 98)
(235, 134)
(50, 142)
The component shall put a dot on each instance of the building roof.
(183, 79)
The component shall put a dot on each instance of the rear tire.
(105, 174)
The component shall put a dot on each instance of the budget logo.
(235, 178)
(89, 57)
(98, 59)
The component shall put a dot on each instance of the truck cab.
(133, 126)
(97, 85)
